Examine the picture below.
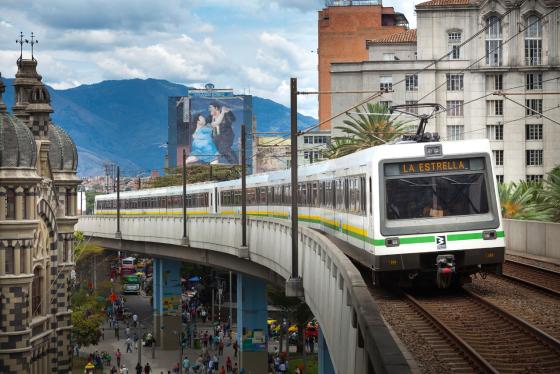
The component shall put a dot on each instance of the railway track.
(491, 340)
(543, 279)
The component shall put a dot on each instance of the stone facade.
(38, 186)
(526, 67)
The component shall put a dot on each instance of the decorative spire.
(20, 42)
(33, 42)
(2, 89)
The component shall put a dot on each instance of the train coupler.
(445, 270)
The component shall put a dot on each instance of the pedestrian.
(128, 345)
(102, 334)
(127, 331)
(113, 370)
(235, 347)
(124, 369)
(135, 320)
(138, 368)
(222, 370)
(118, 356)
(235, 369)
(228, 364)
(147, 368)
(221, 348)
(186, 364)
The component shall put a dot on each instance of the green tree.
(87, 317)
(371, 126)
(551, 194)
(195, 174)
(522, 200)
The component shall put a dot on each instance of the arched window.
(494, 41)
(36, 292)
(453, 44)
(533, 41)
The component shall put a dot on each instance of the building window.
(321, 140)
(534, 81)
(534, 157)
(312, 155)
(494, 41)
(495, 107)
(534, 107)
(500, 178)
(412, 108)
(388, 56)
(386, 83)
(455, 132)
(386, 104)
(10, 260)
(495, 82)
(36, 291)
(533, 132)
(454, 82)
(455, 108)
(10, 204)
(498, 157)
(308, 139)
(411, 82)
(533, 41)
(454, 42)
(534, 178)
(495, 132)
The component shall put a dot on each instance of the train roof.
(356, 159)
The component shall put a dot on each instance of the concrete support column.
(251, 324)
(167, 302)
(325, 363)
(2, 203)
(17, 260)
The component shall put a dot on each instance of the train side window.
(370, 197)
(346, 194)
(363, 199)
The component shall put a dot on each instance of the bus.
(131, 284)
(128, 266)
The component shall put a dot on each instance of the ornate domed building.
(38, 183)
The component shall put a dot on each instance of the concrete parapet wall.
(533, 237)
(357, 338)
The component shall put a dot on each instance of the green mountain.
(125, 121)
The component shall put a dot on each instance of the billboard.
(207, 125)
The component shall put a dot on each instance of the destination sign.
(421, 167)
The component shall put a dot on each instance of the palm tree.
(522, 200)
(551, 194)
(371, 126)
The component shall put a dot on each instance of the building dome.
(63, 155)
(17, 144)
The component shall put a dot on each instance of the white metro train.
(409, 211)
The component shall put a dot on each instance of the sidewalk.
(164, 361)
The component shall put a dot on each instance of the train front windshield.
(434, 193)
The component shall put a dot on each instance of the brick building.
(344, 27)
(38, 185)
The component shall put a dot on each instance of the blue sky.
(254, 46)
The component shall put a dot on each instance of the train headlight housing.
(392, 242)
(489, 235)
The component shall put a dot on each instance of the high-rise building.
(344, 27)
(38, 188)
(502, 84)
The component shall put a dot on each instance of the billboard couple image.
(213, 137)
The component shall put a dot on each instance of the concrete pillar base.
(294, 287)
(254, 362)
(171, 333)
(158, 323)
(325, 363)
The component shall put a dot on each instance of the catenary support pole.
(294, 171)
(118, 188)
(243, 188)
(184, 196)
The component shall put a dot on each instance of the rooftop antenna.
(33, 42)
(20, 42)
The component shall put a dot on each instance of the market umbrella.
(196, 278)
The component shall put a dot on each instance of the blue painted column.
(325, 363)
(252, 329)
(167, 290)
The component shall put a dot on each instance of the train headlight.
(489, 235)
(392, 242)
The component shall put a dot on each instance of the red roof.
(442, 3)
(408, 36)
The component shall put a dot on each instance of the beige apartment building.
(502, 83)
